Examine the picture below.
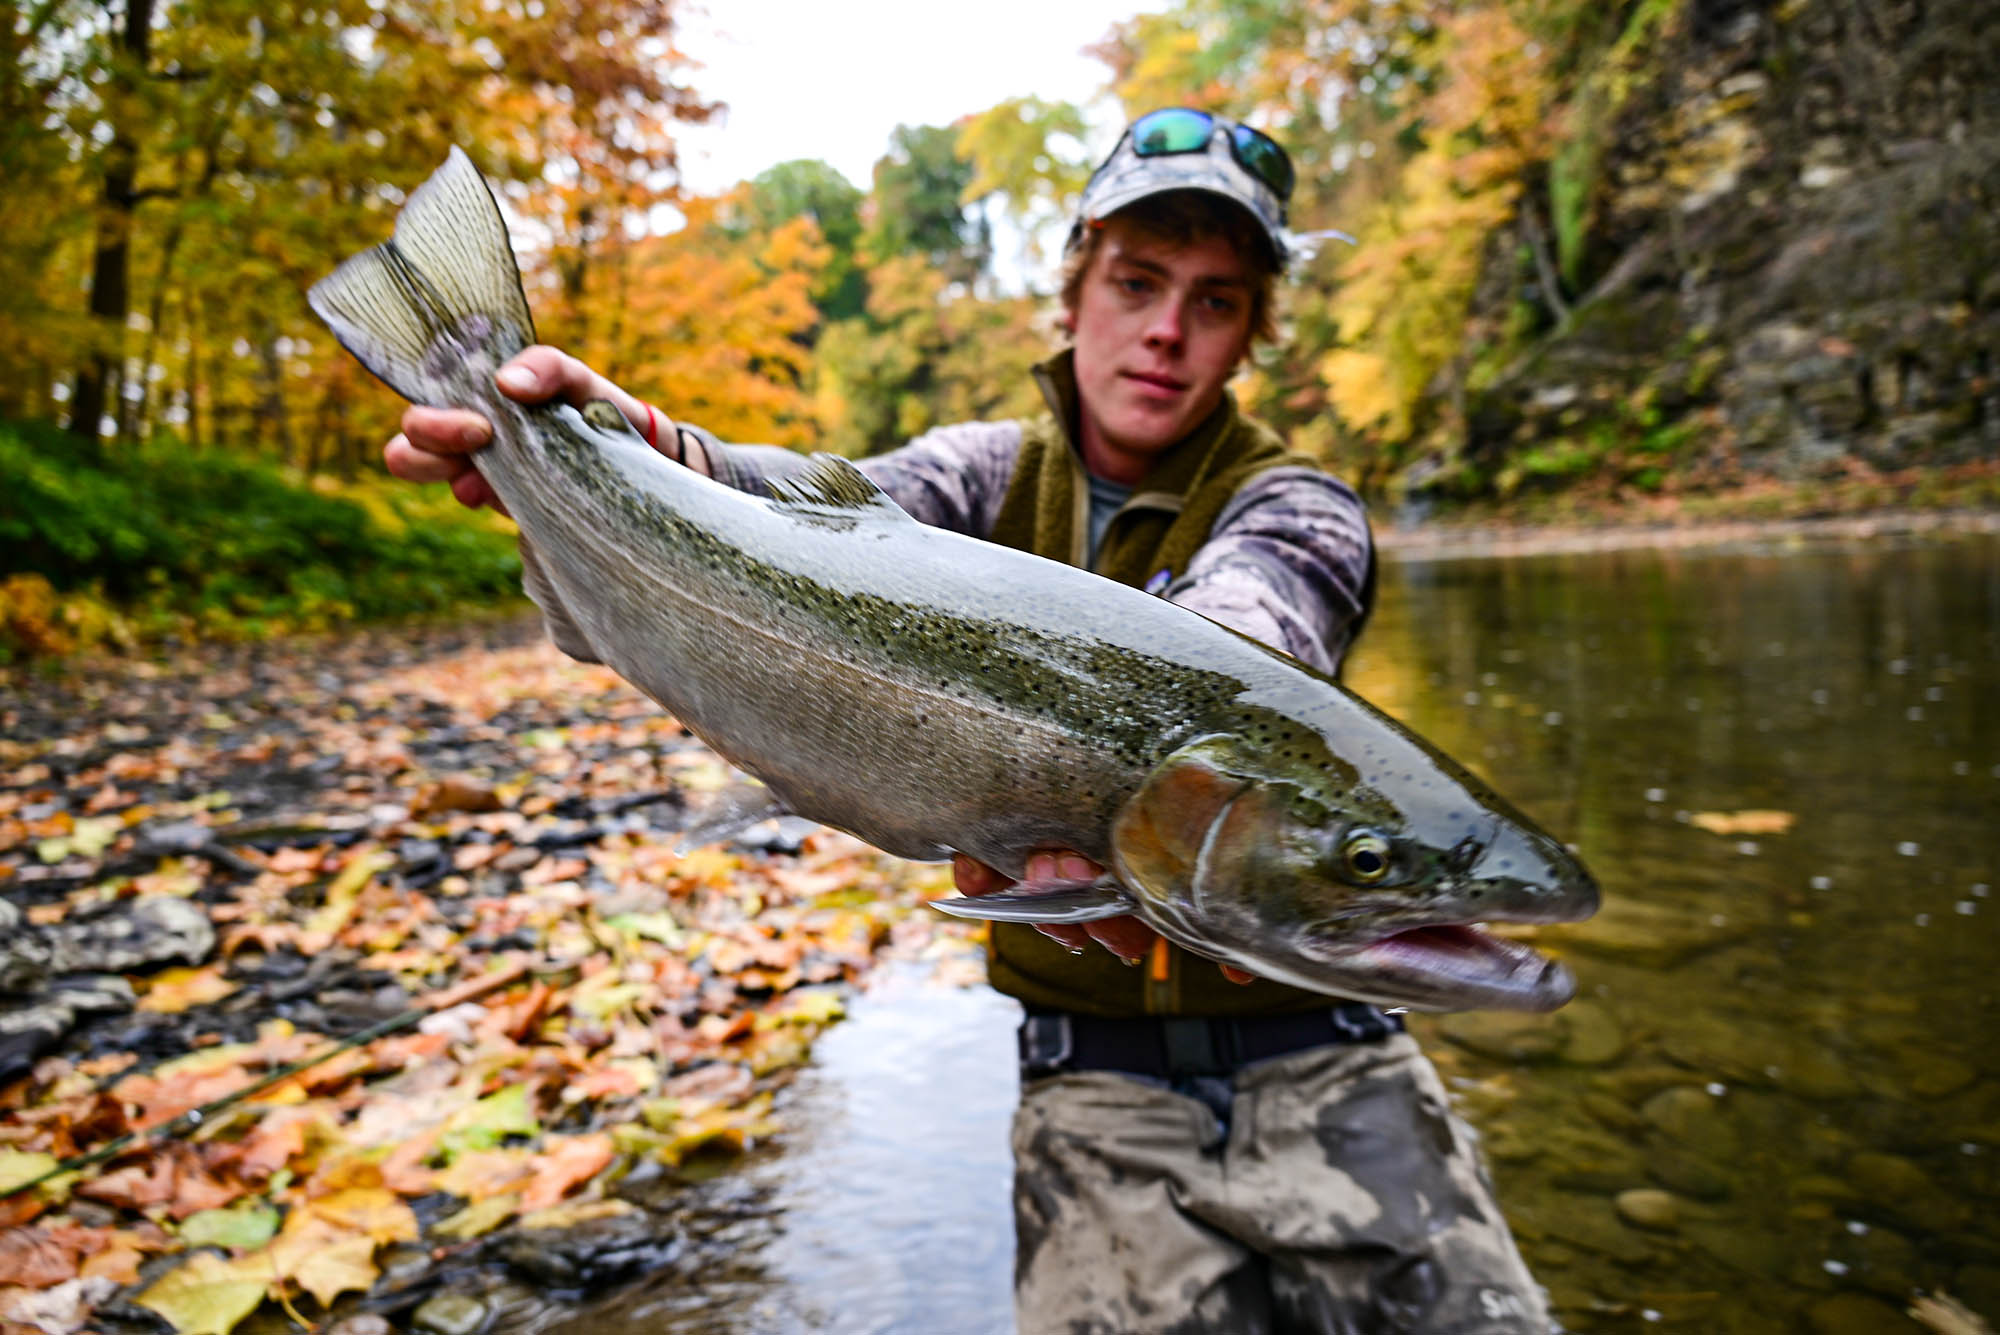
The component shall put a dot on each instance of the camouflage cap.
(1125, 178)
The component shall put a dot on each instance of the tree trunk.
(110, 275)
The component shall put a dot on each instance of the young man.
(1195, 1150)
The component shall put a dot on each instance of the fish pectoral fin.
(1103, 898)
(731, 811)
(829, 487)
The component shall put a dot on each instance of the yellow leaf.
(375, 1211)
(207, 1296)
(571, 1213)
(1743, 822)
(18, 1167)
(478, 1219)
(176, 990)
(336, 1264)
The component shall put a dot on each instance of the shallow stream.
(1775, 1106)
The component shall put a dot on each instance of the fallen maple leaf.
(563, 1165)
(34, 1259)
(175, 990)
(207, 1295)
(455, 793)
(320, 1255)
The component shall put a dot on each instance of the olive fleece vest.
(1148, 543)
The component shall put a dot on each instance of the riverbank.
(1470, 540)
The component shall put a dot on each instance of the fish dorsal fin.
(445, 283)
(831, 487)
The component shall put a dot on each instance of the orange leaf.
(568, 1162)
(33, 1259)
(176, 990)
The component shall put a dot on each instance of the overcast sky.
(830, 80)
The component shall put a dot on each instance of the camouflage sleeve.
(1287, 563)
(953, 477)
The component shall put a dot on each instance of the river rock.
(1655, 934)
(1693, 1116)
(1507, 1036)
(1688, 1172)
(1647, 1207)
(1933, 1075)
(1854, 1314)
(1613, 1113)
(1978, 1287)
(450, 1314)
(1904, 1192)
(1592, 1035)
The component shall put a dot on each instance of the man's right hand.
(1125, 936)
(436, 443)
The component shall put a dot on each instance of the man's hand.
(436, 442)
(1126, 937)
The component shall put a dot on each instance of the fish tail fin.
(445, 284)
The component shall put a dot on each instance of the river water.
(1775, 1106)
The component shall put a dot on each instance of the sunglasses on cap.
(1171, 130)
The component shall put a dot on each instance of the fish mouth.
(1461, 966)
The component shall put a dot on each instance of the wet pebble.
(1592, 1035)
(1693, 1116)
(1689, 1173)
(1932, 1075)
(449, 1314)
(1648, 1207)
(1853, 1314)
(1508, 1036)
(364, 1323)
(1978, 1287)
(1656, 935)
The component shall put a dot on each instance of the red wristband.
(652, 427)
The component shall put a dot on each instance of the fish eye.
(1366, 854)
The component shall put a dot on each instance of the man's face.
(1158, 330)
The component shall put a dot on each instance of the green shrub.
(175, 538)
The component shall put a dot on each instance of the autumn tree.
(194, 169)
(807, 188)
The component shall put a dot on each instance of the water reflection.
(1777, 1106)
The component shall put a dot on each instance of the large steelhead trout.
(931, 693)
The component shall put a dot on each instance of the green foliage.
(231, 546)
(918, 210)
(1028, 154)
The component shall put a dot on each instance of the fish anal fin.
(731, 811)
(830, 485)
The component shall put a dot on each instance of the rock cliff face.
(1789, 257)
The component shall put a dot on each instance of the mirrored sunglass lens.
(1175, 130)
(1263, 156)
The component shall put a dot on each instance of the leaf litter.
(457, 839)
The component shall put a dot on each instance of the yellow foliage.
(37, 621)
(1400, 312)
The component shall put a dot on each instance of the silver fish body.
(932, 694)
